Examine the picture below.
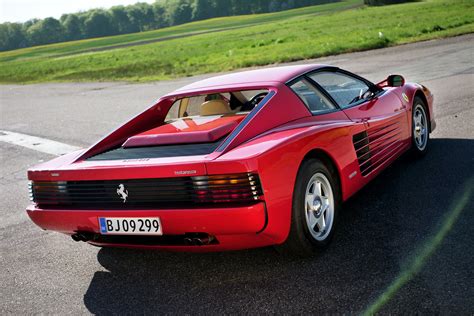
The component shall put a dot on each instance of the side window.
(312, 97)
(344, 89)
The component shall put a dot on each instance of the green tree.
(159, 13)
(29, 23)
(12, 36)
(45, 31)
(147, 16)
(221, 8)
(178, 12)
(237, 7)
(135, 16)
(201, 10)
(72, 27)
(120, 20)
(98, 24)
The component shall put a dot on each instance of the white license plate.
(130, 226)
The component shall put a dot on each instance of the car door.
(382, 112)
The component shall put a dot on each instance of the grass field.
(240, 42)
(211, 25)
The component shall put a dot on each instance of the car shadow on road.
(379, 230)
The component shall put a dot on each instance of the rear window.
(220, 104)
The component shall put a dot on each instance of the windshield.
(221, 104)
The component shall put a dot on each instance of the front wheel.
(420, 128)
(316, 202)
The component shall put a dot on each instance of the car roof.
(263, 76)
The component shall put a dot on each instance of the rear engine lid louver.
(163, 151)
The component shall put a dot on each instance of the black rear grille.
(162, 151)
(148, 193)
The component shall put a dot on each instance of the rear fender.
(279, 158)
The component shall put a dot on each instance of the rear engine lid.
(198, 136)
(186, 131)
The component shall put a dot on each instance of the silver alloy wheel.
(319, 206)
(420, 127)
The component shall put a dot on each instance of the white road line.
(37, 143)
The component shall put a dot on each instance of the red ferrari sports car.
(249, 159)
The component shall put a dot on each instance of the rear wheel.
(316, 202)
(420, 128)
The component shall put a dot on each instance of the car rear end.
(147, 185)
(184, 211)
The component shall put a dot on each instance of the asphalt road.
(408, 234)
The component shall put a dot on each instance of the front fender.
(411, 90)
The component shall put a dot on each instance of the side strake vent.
(159, 193)
(163, 151)
(376, 145)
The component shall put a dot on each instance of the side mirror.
(392, 81)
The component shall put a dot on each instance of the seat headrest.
(214, 107)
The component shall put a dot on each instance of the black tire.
(417, 149)
(301, 241)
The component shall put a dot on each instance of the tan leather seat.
(215, 107)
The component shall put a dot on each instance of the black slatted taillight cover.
(148, 193)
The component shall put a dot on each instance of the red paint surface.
(182, 131)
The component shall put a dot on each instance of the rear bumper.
(233, 227)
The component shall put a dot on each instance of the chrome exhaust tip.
(198, 241)
(80, 237)
(76, 237)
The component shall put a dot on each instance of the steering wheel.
(363, 96)
(257, 98)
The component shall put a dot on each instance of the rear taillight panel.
(228, 188)
(148, 193)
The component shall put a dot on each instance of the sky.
(23, 10)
